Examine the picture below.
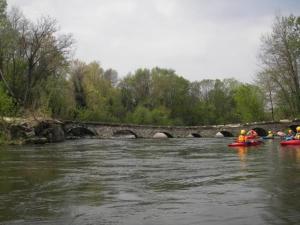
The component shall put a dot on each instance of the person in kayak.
(297, 135)
(290, 135)
(251, 134)
(242, 137)
(270, 134)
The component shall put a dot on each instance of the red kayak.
(290, 142)
(251, 137)
(244, 144)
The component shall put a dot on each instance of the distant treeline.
(37, 75)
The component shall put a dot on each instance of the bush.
(7, 106)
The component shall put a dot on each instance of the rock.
(55, 134)
(219, 134)
(160, 135)
(194, 135)
(50, 130)
(21, 131)
(36, 140)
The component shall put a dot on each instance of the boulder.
(51, 130)
(219, 134)
(160, 135)
(21, 131)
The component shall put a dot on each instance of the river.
(151, 182)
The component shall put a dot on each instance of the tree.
(3, 6)
(249, 103)
(6, 103)
(171, 91)
(3, 22)
(269, 89)
(77, 71)
(57, 99)
(136, 88)
(280, 57)
(34, 53)
(214, 101)
(112, 76)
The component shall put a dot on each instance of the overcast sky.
(197, 38)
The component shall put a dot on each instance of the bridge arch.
(194, 135)
(260, 131)
(226, 133)
(125, 134)
(80, 132)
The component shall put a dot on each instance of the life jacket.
(297, 136)
(242, 138)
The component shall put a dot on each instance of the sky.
(199, 39)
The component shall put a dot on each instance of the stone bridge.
(109, 130)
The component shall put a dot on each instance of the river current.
(148, 181)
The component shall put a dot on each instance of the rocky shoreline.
(37, 132)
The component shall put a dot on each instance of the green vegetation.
(280, 57)
(37, 76)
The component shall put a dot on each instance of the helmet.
(290, 131)
(298, 128)
(270, 132)
(244, 132)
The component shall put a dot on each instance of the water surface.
(134, 182)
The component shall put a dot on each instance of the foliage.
(143, 115)
(33, 52)
(7, 105)
(38, 75)
(280, 56)
(7, 109)
(249, 102)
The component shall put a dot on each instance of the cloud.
(198, 39)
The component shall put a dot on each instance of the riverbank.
(30, 131)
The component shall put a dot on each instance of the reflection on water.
(291, 152)
(173, 181)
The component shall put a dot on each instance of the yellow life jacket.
(297, 136)
(242, 138)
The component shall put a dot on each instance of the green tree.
(249, 103)
(3, 24)
(57, 98)
(141, 115)
(171, 91)
(33, 53)
(280, 56)
(77, 71)
(7, 105)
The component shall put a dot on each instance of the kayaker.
(251, 134)
(290, 135)
(242, 138)
(270, 134)
(297, 135)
